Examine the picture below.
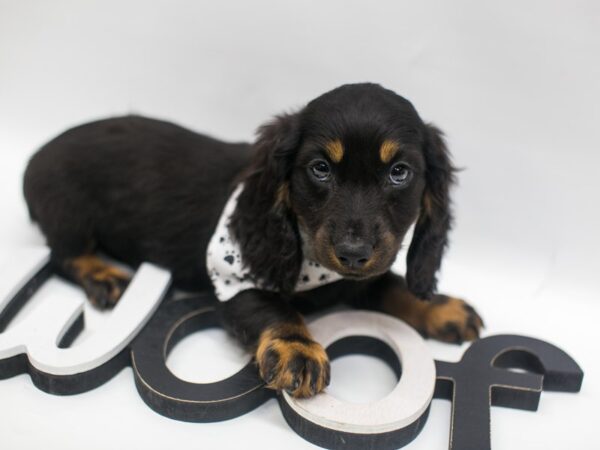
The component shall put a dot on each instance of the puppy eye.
(401, 174)
(321, 170)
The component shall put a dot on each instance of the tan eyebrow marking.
(387, 150)
(335, 150)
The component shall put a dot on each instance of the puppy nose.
(353, 255)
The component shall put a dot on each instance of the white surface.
(40, 332)
(400, 408)
(515, 85)
(17, 270)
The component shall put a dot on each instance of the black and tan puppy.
(336, 185)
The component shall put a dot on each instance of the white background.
(515, 85)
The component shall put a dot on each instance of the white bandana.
(227, 272)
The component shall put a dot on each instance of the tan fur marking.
(89, 269)
(325, 253)
(388, 241)
(283, 196)
(401, 303)
(94, 267)
(427, 204)
(387, 150)
(433, 318)
(333, 259)
(335, 150)
(86, 264)
(437, 316)
(273, 339)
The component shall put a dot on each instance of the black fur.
(146, 190)
(361, 116)
(138, 189)
(266, 229)
(430, 236)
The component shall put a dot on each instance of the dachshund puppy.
(313, 213)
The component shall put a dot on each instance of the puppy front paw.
(451, 319)
(288, 359)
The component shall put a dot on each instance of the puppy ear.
(435, 219)
(263, 222)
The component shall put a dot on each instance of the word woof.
(146, 322)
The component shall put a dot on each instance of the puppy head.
(340, 182)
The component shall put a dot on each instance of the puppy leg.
(443, 318)
(287, 356)
(102, 282)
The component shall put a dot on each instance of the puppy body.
(339, 182)
(136, 188)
